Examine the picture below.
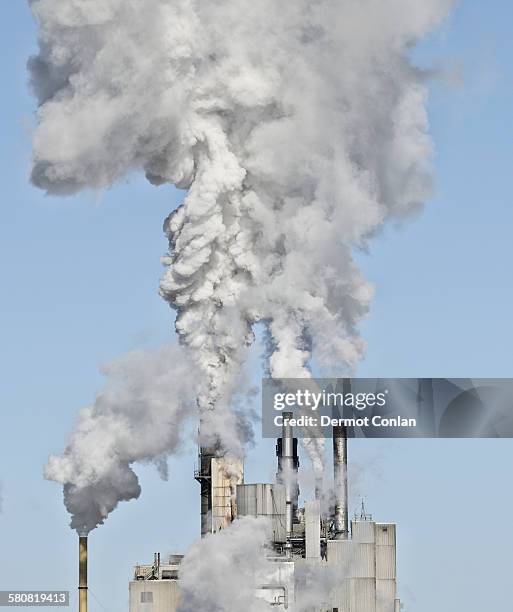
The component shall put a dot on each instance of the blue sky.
(79, 283)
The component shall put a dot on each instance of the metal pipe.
(281, 599)
(82, 573)
(287, 473)
(340, 486)
(341, 522)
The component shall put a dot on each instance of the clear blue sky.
(78, 286)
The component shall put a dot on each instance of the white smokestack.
(298, 129)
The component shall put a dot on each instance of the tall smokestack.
(82, 574)
(288, 463)
(341, 522)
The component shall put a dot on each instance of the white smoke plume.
(211, 562)
(139, 416)
(297, 129)
(314, 584)
(232, 566)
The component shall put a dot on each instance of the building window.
(146, 597)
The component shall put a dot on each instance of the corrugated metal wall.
(385, 533)
(366, 566)
(264, 500)
(313, 529)
(363, 595)
(354, 559)
(385, 595)
(363, 531)
(385, 562)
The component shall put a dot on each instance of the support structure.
(218, 475)
(204, 476)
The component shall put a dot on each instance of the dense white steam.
(139, 416)
(210, 563)
(244, 548)
(297, 129)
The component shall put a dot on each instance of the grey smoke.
(210, 562)
(314, 583)
(298, 129)
(139, 416)
(231, 566)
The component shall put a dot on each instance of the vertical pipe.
(341, 522)
(287, 468)
(82, 573)
(340, 486)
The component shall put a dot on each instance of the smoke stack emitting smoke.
(139, 416)
(297, 130)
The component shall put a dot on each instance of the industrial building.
(360, 555)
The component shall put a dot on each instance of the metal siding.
(339, 553)
(313, 529)
(385, 595)
(385, 562)
(363, 563)
(363, 531)
(362, 595)
(263, 500)
(385, 533)
(354, 559)
(277, 510)
(341, 596)
(247, 500)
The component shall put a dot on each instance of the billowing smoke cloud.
(233, 570)
(139, 416)
(210, 563)
(297, 129)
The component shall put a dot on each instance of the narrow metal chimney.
(82, 573)
(340, 478)
(204, 476)
(341, 521)
(288, 463)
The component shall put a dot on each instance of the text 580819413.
(34, 598)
